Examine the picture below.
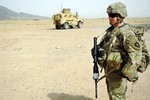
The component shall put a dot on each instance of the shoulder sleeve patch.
(132, 42)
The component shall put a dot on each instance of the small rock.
(57, 47)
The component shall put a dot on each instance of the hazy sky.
(85, 8)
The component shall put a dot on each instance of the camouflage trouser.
(116, 86)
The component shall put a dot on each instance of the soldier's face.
(113, 19)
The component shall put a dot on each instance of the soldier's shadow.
(62, 96)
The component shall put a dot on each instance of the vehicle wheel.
(57, 26)
(66, 26)
(79, 24)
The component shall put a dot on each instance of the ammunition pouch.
(114, 61)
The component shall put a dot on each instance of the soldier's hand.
(130, 72)
(132, 79)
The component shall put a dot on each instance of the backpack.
(145, 61)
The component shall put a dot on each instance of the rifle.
(95, 68)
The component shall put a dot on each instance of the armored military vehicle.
(66, 20)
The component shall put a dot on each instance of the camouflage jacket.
(123, 51)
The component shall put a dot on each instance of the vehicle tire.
(79, 24)
(66, 26)
(57, 26)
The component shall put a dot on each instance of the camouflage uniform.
(123, 53)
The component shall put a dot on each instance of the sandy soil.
(38, 62)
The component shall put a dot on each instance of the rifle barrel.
(96, 89)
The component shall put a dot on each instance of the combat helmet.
(118, 8)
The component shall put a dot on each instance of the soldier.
(122, 52)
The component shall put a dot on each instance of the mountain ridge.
(7, 14)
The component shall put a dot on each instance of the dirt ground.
(38, 62)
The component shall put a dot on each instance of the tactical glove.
(130, 72)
